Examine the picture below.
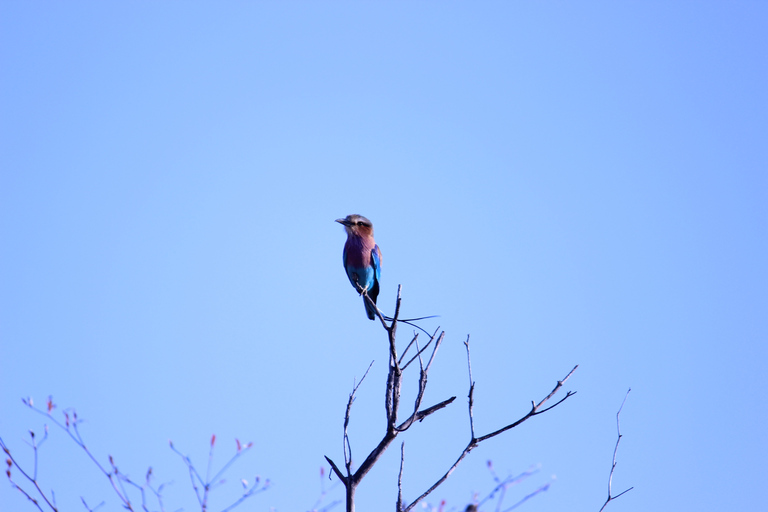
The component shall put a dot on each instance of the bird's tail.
(369, 310)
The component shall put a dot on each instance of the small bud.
(322, 471)
(32, 434)
(50, 404)
(213, 439)
(239, 447)
(111, 461)
(8, 461)
(245, 483)
(8, 472)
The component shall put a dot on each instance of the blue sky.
(566, 183)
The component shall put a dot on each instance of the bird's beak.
(342, 221)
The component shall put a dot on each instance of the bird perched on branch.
(362, 258)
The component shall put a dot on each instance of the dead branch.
(474, 441)
(615, 450)
(392, 406)
(391, 403)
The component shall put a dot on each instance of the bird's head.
(356, 225)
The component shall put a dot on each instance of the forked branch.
(352, 479)
(615, 450)
(536, 408)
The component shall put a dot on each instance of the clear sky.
(567, 182)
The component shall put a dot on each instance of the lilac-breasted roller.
(362, 258)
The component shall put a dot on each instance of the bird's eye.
(360, 223)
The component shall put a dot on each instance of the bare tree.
(136, 496)
(352, 479)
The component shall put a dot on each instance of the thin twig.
(402, 356)
(399, 505)
(424, 371)
(615, 450)
(541, 489)
(476, 441)
(420, 350)
(470, 396)
(535, 407)
(347, 445)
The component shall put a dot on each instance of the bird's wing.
(376, 261)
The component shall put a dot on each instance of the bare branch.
(392, 406)
(615, 450)
(535, 408)
(445, 476)
(336, 470)
(425, 412)
(415, 337)
(347, 445)
(502, 485)
(11, 461)
(422, 384)
(421, 350)
(470, 396)
(473, 442)
(399, 505)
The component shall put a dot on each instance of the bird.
(362, 259)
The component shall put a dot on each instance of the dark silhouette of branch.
(615, 450)
(351, 479)
(474, 441)
(391, 402)
(399, 505)
(347, 444)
